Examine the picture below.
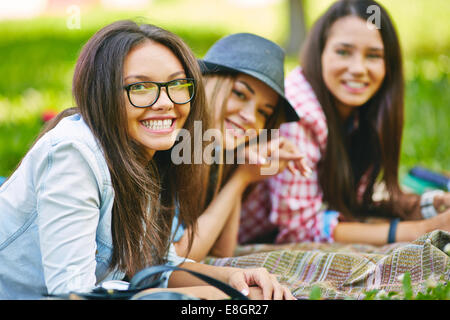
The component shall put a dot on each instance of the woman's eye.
(137, 87)
(178, 83)
(264, 113)
(374, 56)
(342, 52)
(239, 94)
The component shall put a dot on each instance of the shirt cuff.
(172, 260)
(329, 223)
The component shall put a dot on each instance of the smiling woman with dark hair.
(93, 199)
(350, 91)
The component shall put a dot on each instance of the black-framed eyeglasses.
(144, 94)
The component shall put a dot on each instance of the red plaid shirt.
(294, 203)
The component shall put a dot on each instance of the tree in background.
(297, 27)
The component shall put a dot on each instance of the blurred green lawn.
(37, 57)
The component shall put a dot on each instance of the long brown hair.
(144, 192)
(374, 147)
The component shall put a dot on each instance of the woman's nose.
(163, 102)
(248, 114)
(357, 65)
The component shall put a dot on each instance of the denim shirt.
(55, 217)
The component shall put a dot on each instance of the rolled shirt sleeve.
(68, 202)
(172, 260)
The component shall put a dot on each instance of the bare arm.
(212, 221)
(377, 234)
(224, 210)
(228, 239)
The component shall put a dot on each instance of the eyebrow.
(347, 45)
(253, 92)
(247, 85)
(145, 78)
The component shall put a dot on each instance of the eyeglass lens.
(146, 93)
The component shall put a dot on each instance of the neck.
(150, 154)
(344, 111)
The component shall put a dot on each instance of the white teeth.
(158, 124)
(355, 85)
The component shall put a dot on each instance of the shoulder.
(73, 128)
(71, 139)
(302, 97)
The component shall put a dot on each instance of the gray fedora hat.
(252, 55)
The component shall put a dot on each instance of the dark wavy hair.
(144, 192)
(374, 147)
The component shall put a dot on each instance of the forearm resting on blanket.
(376, 233)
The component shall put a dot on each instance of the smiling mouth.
(234, 128)
(355, 86)
(161, 125)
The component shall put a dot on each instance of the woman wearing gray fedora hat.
(244, 82)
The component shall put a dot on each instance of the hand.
(264, 160)
(258, 283)
(442, 202)
(441, 222)
(287, 153)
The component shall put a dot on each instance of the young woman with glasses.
(93, 198)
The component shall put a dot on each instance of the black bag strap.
(139, 279)
(143, 280)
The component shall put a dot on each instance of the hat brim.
(209, 67)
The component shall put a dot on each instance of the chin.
(161, 146)
(354, 103)
(355, 100)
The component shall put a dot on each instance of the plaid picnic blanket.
(347, 270)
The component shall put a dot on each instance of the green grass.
(37, 58)
(427, 131)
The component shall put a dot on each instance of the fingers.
(287, 294)
(304, 168)
(237, 280)
(265, 281)
(271, 288)
(257, 294)
(279, 150)
(445, 201)
(291, 168)
(299, 166)
(287, 151)
(288, 155)
(268, 286)
(278, 290)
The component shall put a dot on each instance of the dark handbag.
(143, 280)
